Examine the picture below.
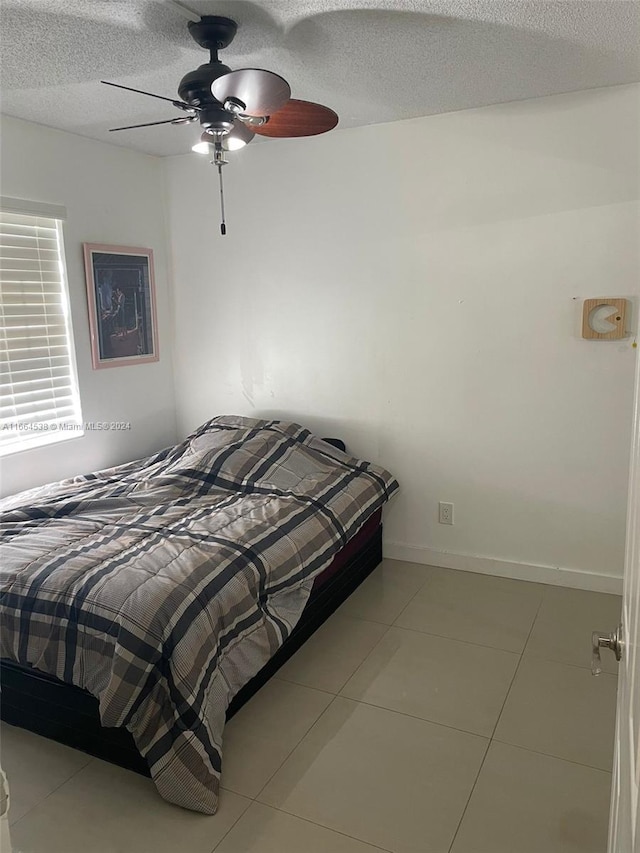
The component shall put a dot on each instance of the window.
(39, 400)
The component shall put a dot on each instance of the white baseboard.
(554, 575)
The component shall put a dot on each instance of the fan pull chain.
(223, 224)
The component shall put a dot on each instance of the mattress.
(343, 556)
(161, 587)
(47, 706)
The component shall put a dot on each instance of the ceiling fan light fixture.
(233, 143)
(239, 136)
(213, 148)
(202, 147)
(208, 140)
(236, 138)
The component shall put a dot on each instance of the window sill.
(40, 440)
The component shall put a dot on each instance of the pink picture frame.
(121, 297)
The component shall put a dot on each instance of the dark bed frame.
(42, 704)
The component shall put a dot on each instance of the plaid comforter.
(162, 586)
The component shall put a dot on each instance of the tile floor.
(435, 712)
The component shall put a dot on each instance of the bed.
(143, 605)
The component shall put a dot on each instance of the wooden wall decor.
(616, 317)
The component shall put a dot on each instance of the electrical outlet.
(446, 513)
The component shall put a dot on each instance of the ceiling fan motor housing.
(195, 87)
(215, 117)
(213, 33)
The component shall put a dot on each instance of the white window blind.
(39, 400)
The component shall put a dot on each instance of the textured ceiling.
(370, 61)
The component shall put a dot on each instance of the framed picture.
(122, 305)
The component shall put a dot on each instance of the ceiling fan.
(233, 106)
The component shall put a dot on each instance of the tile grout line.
(350, 676)
(474, 574)
(295, 746)
(362, 619)
(550, 755)
(515, 674)
(276, 677)
(547, 659)
(414, 717)
(381, 638)
(382, 708)
(240, 816)
(338, 695)
(324, 826)
(351, 618)
(335, 696)
(489, 739)
(394, 624)
(57, 788)
(466, 642)
(364, 660)
(404, 606)
(411, 599)
(473, 787)
(328, 692)
(475, 782)
(292, 750)
(423, 566)
(454, 639)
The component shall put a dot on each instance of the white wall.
(112, 196)
(416, 288)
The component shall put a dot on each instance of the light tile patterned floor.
(435, 712)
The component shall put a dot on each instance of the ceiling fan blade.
(180, 104)
(180, 120)
(299, 118)
(260, 92)
(184, 119)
